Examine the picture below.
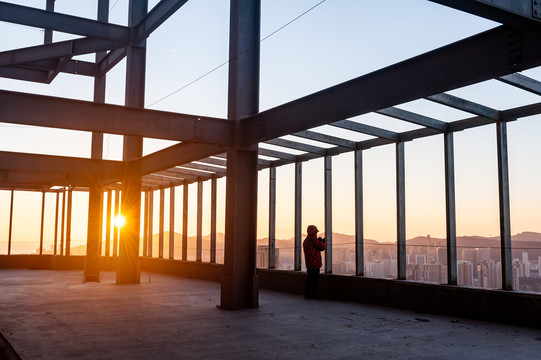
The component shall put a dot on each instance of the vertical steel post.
(328, 213)
(48, 33)
(450, 208)
(10, 222)
(128, 265)
(172, 222)
(145, 225)
(68, 222)
(42, 222)
(161, 223)
(240, 286)
(298, 217)
(272, 217)
(95, 195)
(115, 227)
(199, 245)
(359, 214)
(185, 222)
(505, 213)
(108, 223)
(213, 206)
(56, 223)
(401, 211)
(150, 223)
(62, 225)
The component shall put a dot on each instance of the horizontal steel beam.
(155, 17)
(478, 58)
(365, 129)
(17, 73)
(465, 105)
(276, 154)
(71, 67)
(324, 138)
(518, 13)
(208, 168)
(56, 50)
(522, 82)
(297, 146)
(112, 58)
(37, 110)
(38, 18)
(175, 155)
(413, 118)
(69, 166)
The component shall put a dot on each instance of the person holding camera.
(313, 246)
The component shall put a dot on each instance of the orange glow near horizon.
(120, 221)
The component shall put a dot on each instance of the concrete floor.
(53, 315)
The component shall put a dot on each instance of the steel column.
(48, 34)
(400, 211)
(199, 244)
(56, 223)
(161, 223)
(450, 208)
(240, 285)
(272, 217)
(213, 206)
(150, 234)
(10, 222)
(145, 225)
(129, 266)
(505, 214)
(62, 225)
(108, 223)
(185, 222)
(298, 216)
(359, 214)
(68, 221)
(42, 223)
(115, 227)
(328, 213)
(172, 222)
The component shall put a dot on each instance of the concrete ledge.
(52, 262)
(187, 269)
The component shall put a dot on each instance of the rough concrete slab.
(47, 314)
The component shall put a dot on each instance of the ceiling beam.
(465, 105)
(155, 17)
(522, 82)
(175, 155)
(43, 19)
(478, 58)
(413, 118)
(38, 110)
(297, 146)
(324, 138)
(365, 129)
(56, 50)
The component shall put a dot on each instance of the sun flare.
(120, 221)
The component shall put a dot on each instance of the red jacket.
(312, 252)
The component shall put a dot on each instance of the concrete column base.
(92, 278)
(239, 292)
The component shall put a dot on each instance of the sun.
(120, 221)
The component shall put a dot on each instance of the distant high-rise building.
(420, 259)
(262, 259)
(516, 270)
(465, 273)
(441, 255)
(483, 254)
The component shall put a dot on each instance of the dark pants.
(312, 279)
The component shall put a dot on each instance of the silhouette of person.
(313, 246)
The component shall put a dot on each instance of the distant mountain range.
(525, 241)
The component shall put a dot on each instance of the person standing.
(313, 246)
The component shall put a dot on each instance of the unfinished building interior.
(234, 148)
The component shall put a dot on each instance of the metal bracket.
(536, 9)
(198, 128)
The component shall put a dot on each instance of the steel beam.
(465, 105)
(42, 223)
(207, 168)
(240, 285)
(48, 33)
(401, 211)
(277, 154)
(365, 129)
(112, 58)
(297, 146)
(17, 73)
(199, 242)
(522, 82)
(450, 209)
(38, 110)
(10, 231)
(62, 226)
(359, 214)
(108, 223)
(298, 216)
(328, 139)
(518, 13)
(172, 222)
(175, 155)
(272, 218)
(413, 118)
(328, 213)
(478, 58)
(150, 223)
(145, 225)
(158, 15)
(44, 19)
(68, 221)
(505, 213)
(55, 244)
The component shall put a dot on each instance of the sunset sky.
(336, 41)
